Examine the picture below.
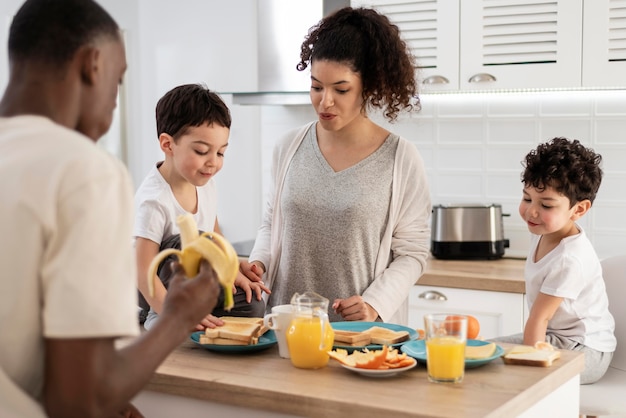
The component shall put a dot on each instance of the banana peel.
(195, 247)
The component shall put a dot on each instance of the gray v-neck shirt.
(333, 223)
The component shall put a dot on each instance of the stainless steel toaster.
(468, 232)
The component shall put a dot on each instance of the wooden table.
(502, 275)
(262, 381)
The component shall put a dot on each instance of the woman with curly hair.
(565, 291)
(348, 211)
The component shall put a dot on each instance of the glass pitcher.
(310, 335)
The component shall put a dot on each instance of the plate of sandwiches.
(236, 335)
(477, 352)
(356, 335)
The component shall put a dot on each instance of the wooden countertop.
(501, 275)
(264, 381)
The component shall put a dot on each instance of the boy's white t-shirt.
(157, 208)
(573, 272)
(68, 269)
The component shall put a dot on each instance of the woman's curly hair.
(371, 45)
(567, 166)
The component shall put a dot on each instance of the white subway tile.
(610, 131)
(613, 157)
(455, 186)
(612, 188)
(503, 185)
(513, 105)
(461, 131)
(517, 131)
(460, 158)
(580, 129)
(566, 104)
(507, 157)
(610, 103)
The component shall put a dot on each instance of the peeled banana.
(195, 247)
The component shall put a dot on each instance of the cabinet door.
(604, 43)
(520, 44)
(499, 313)
(431, 30)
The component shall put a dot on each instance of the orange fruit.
(473, 327)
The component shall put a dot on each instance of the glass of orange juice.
(446, 335)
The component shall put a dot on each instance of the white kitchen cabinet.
(512, 44)
(499, 313)
(604, 43)
(509, 44)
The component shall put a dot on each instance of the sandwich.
(541, 355)
(235, 331)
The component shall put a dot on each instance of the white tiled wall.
(473, 145)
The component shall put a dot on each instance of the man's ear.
(580, 208)
(89, 64)
(166, 141)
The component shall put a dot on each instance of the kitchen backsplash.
(473, 145)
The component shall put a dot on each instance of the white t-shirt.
(157, 208)
(68, 268)
(573, 272)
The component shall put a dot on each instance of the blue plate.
(417, 350)
(362, 326)
(266, 340)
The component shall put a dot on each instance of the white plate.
(380, 372)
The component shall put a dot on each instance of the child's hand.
(209, 321)
(250, 286)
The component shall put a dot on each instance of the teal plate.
(362, 326)
(266, 341)
(417, 350)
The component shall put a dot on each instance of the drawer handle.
(482, 78)
(432, 295)
(436, 79)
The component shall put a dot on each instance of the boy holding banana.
(193, 126)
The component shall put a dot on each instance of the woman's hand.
(355, 308)
(253, 271)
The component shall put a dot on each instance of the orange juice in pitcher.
(310, 335)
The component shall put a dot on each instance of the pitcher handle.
(324, 320)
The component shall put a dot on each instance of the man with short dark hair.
(66, 215)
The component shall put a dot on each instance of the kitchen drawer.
(499, 313)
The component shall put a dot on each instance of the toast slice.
(353, 338)
(385, 336)
(530, 356)
(248, 320)
(245, 331)
(225, 341)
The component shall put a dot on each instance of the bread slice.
(530, 356)
(225, 341)
(386, 336)
(246, 331)
(353, 338)
(478, 352)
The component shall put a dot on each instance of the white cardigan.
(405, 245)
